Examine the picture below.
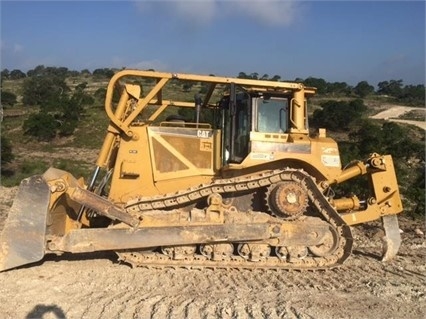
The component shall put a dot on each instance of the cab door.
(238, 137)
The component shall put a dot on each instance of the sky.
(339, 41)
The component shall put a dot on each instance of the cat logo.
(203, 134)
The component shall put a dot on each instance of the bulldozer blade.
(392, 238)
(23, 237)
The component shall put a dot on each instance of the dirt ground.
(98, 286)
(392, 113)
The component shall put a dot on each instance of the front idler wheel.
(328, 245)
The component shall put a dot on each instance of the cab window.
(272, 115)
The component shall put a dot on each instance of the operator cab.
(251, 112)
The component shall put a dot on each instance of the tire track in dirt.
(104, 290)
(249, 283)
(161, 308)
(208, 310)
(191, 310)
(180, 310)
(181, 302)
(142, 306)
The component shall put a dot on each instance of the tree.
(81, 86)
(254, 75)
(37, 71)
(7, 98)
(59, 111)
(12, 75)
(368, 138)
(362, 89)
(413, 94)
(392, 87)
(338, 115)
(275, 78)
(358, 107)
(38, 90)
(204, 88)
(6, 151)
(100, 94)
(320, 84)
(41, 125)
(5, 74)
(71, 110)
(41, 70)
(243, 75)
(187, 86)
(17, 74)
(103, 73)
(397, 142)
(73, 73)
(85, 73)
(417, 193)
(338, 88)
(388, 138)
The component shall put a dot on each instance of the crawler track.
(318, 201)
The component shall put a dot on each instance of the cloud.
(268, 12)
(199, 12)
(11, 48)
(204, 12)
(17, 48)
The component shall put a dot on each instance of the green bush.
(41, 125)
(67, 128)
(59, 112)
(6, 151)
(7, 98)
(42, 90)
(386, 138)
(362, 89)
(338, 115)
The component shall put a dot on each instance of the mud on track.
(97, 286)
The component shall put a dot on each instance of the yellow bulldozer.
(230, 177)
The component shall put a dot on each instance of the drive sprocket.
(287, 200)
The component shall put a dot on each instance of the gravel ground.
(98, 286)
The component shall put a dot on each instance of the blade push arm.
(385, 198)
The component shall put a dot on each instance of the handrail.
(131, 91)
